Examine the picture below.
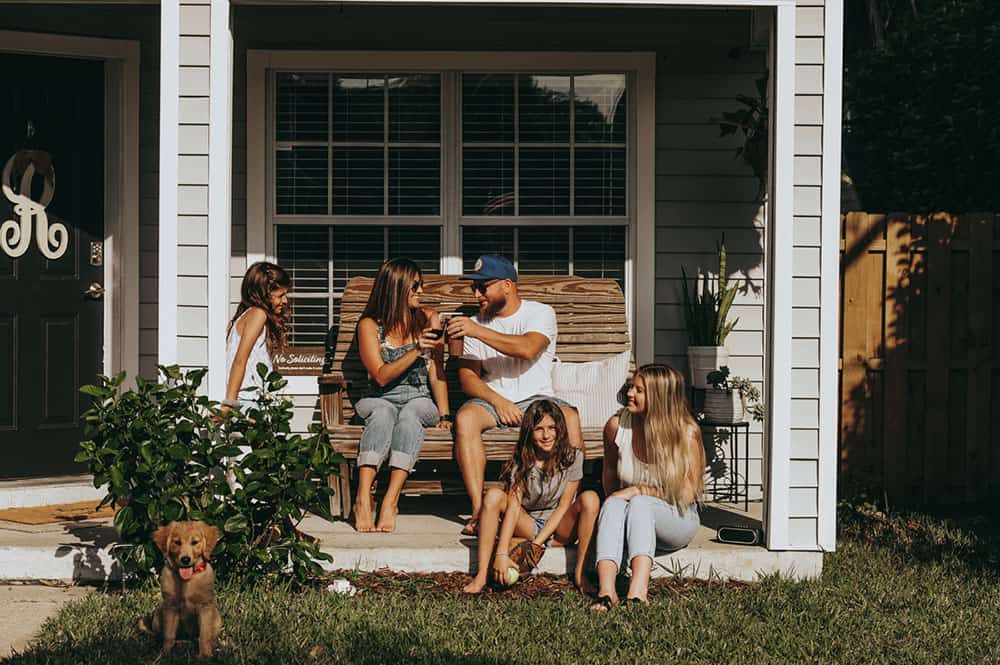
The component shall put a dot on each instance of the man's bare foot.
(387, 518)
(475, 586)
(363, 519)
(604, 602)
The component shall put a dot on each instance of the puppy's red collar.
(199, 568)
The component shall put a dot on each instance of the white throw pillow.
(592, 387)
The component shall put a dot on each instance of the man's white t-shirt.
(514, 378)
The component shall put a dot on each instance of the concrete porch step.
(425, 541)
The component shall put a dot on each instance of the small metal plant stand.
(728, 445)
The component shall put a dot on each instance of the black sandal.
(603, 602)
(635, 601)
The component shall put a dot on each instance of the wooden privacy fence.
(920, 380)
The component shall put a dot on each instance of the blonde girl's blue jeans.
(642, 525)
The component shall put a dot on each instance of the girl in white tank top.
(256, 331)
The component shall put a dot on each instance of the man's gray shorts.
(522, 405)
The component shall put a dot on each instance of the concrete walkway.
(427, 540)
(25, 607)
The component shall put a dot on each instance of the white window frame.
(640, 68)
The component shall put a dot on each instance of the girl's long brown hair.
(259, 281)
(389, 302)
(668, 425)
(526, 453)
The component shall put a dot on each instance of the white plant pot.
(705, 359)
(723, 406)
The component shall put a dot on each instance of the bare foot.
(475, 586)
(387, 518)
(471, 527)
(363, 519)
(604, 602)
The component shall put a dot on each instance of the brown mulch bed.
(529, 586)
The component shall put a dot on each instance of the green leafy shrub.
(162, 448)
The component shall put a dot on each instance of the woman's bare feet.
(364, 521)
(387, 518)
(475, 586)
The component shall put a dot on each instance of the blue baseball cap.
(491, 266)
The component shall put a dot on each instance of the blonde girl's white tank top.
(258, 354)
(631, 470)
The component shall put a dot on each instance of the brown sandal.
(526, 556)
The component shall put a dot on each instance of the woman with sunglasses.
(400, 344)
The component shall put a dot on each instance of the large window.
(321, 259)
(543, 145)
(368, 166)
(358, 144)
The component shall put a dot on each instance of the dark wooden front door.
(52, 145)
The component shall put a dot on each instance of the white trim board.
(779, 306)
(830, 274)
(220, 188)
(706, 4)
(169, 139)
(641, 65)
(121, 180)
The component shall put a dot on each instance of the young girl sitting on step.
(540, 501)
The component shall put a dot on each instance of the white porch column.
(196, 55)
(780, 277)
(829, 434)
(220, 193)
(169, 101)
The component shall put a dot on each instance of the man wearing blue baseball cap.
(506, 364)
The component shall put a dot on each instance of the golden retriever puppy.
(187, 583)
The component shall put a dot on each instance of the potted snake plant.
(706, 316)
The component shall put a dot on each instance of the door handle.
(95, 291)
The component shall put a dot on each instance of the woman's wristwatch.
(444, 418)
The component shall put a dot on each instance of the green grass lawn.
(900, 589)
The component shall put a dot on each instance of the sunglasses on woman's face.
(480, 287)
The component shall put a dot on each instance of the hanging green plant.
(751, 119)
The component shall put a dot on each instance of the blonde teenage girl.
(654, 466)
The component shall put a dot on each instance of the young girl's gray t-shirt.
(541, 495)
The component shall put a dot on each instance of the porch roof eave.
(686, 4)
